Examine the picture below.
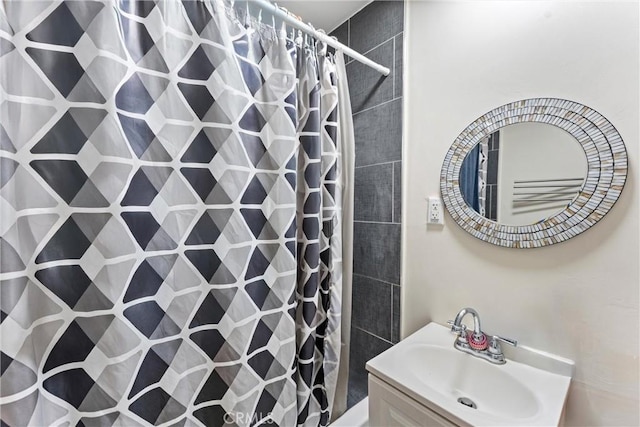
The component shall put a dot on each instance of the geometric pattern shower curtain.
(170, 233)
(319, 198)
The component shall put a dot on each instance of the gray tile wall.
(377, 32)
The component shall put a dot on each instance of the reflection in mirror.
(523, 173)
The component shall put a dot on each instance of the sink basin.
(455, 374)
(427, 368)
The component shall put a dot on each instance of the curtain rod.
(279, 13)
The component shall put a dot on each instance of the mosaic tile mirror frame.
(606, 172)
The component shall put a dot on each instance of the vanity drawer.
(389, 407)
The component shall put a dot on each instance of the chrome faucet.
(477, 343)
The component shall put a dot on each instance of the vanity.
(425, 381)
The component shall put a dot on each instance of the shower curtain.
(171, 197)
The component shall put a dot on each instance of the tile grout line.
(376, 222)
(377, 280)
(393, 68)
(397, 216)
(390, 162)
(372, 334)
(373, 222)
(392, 310)
(351, 60)
(393, 192)
(381, 43)
(393, 37)
(372, 49)
(377, 105)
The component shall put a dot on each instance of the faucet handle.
(458, 329)
(494, 344)
(509, 341)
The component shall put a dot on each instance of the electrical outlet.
(434, 211)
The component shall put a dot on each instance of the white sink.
(427, 368)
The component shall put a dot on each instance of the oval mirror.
(523, 173)
(545, 195)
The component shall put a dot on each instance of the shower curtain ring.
(323, 46)
(299, 40)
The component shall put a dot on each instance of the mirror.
(576, 200)
(523, 173)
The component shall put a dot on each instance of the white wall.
(580, 298)
(536, 151)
